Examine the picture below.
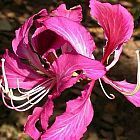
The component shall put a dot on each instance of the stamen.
(4, 76)
(137, 88)
(110, 96)
(28, 98)
(29, 103)
(117, 54)
(35, 89)
(41, 95)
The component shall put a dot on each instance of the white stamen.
(41, 95)
(35, 89)
(137, 88)
(29, 98)
(4, 76)
(110, 96)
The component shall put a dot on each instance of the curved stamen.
(28, 104)
(137, 88)
(110, 96)
(29, 98)
(38, 87)
(40, 95)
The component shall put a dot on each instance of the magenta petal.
(72, 124)
(46, 113)
(74, 13)
(116, 21)
(66, 64)
(40, 113)
(67, 84)
(30, 128)
(44, 39)
(123, 86)
(128, 87)
(15, 69)
(21, 40)
(21, 44)
(67, 48)
(74, 33)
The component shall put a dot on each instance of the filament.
(137, 88)
(4, 76)
(109, 96)
(28, 98)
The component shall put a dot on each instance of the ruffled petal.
(40, 113)
(72, 124)
(21, 44)
(117, 23)
(74, 13)
(66, 64)
(74, 33)
(16, 70)
(30, 128)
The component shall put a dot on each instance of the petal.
(44, 39)
(67, 48)
(72, 124)
(117, 23)
(46, 113)
(21, 44)
(128, 87)
(15, 69)
(21, 40)
(123, 86)
(74, 33)
(30, 128)
(74, 13)
(40, 113)
(67, 64)
(66, 83)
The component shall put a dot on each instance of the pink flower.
(118, 25)
(48, 50)
(38, 69)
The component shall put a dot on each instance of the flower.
(48, 50)
(38, 69)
